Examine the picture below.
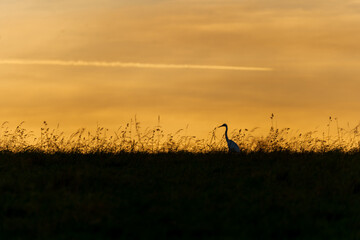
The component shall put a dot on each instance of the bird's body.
(233, 147)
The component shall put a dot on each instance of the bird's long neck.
(226, 135)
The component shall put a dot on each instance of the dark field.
(197, 196)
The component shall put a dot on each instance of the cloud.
(130, 65)
(310, 44)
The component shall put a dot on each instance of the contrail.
(128, 65)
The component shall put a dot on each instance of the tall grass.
(133, 138)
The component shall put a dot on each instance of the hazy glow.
(131, 65)
(311, 45)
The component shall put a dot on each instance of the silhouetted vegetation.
(132, 138)
(135, 184)
(278, 195)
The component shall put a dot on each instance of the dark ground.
(202, 196)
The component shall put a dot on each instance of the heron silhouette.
(233, 147)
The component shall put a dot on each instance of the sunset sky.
(312, 47)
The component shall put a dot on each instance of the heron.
(233, 147)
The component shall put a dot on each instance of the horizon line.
(82, 63)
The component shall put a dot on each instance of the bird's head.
(224, 125)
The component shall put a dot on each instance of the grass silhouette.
(145, 184)
(258, 195)
(132, 138)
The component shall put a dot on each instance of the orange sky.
(313, 47)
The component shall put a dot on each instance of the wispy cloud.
(129, 65)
